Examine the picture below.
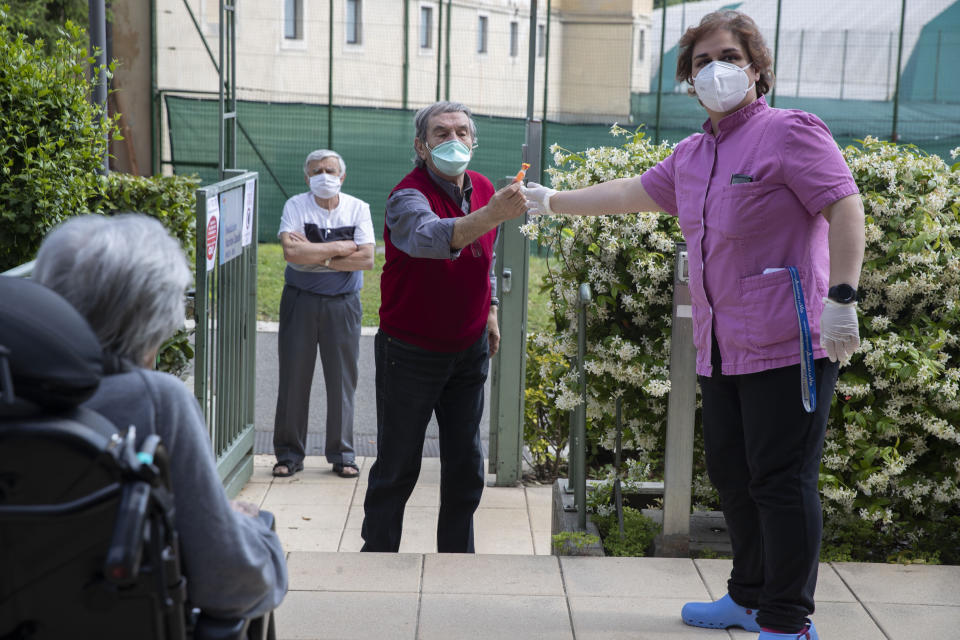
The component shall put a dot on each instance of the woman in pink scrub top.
(775, 234)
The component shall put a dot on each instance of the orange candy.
(522, 173)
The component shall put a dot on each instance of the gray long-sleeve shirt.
(234, 565)
(419, 232)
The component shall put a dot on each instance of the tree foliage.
(42, 20)
(52, 139)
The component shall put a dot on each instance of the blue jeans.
(412, 383)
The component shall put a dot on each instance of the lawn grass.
(270, 267)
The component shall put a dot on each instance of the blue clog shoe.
(720, 614)
(808, 633)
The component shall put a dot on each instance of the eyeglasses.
(476, 249)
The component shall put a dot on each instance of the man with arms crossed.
(328, 241)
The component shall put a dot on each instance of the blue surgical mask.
(451, 158)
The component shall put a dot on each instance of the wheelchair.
(88, 547)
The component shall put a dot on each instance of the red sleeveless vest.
(439, 305)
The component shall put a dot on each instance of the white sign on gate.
(231, 224)
(213, 231)
(249, 191)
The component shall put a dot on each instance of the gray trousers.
(309, 322)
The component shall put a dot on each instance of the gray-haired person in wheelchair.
(127, 277)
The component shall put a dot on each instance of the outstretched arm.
(624, 195)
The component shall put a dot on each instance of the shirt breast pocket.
(749, 209)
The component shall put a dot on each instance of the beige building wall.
(602, 58)
(594, 54)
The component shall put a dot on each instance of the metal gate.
(226, 330)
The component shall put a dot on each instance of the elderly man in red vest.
(438, 328)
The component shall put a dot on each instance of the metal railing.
(678, 463)
(225, 311)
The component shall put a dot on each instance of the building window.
(482, 34)
(514, 39)
(641, 44)
(426, 27)
(354, 22)
(293, 19)
(541, 40)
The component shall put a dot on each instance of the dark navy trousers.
(763, 456)
(413, 383)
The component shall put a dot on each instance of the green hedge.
(171, 200)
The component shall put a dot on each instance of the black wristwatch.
(842, 293)
(494, 301)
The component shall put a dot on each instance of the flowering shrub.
(892, 454)
(545, 426)
(628, 261)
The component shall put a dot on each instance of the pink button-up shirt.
(741, 236)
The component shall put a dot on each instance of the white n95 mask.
(721, 85)
(325, 185)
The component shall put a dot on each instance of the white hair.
(422, 120)
(125, 274)
(320, 154)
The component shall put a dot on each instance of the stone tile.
(909, 621)
(632, 577)
(319, 463)
(424, 496)
(309, 539)
(542, 540)
(430, 464)
(619, 618)
(263, 460)
(429, 476)
(419, 530)
(367, 572)
(254, 492)
(903, 584)
(323, 615)
(351, 541)
(503, 498)
(322, 475)
(830, 587)
(355, 519)
(502, 531)
(493, 617)
(310, 493)
(539, 495)
(261, 475)
(310, 516)
(540, 517)
(489, 574)
(846, 620)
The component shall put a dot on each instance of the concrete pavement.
(511, 589)
(365, 407)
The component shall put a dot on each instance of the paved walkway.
(513, 590)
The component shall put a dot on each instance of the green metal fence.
(225, 311)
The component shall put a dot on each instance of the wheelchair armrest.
(208, 628)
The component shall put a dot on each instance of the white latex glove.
(839, 330)
(538, 198)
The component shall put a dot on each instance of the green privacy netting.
(377, 144)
